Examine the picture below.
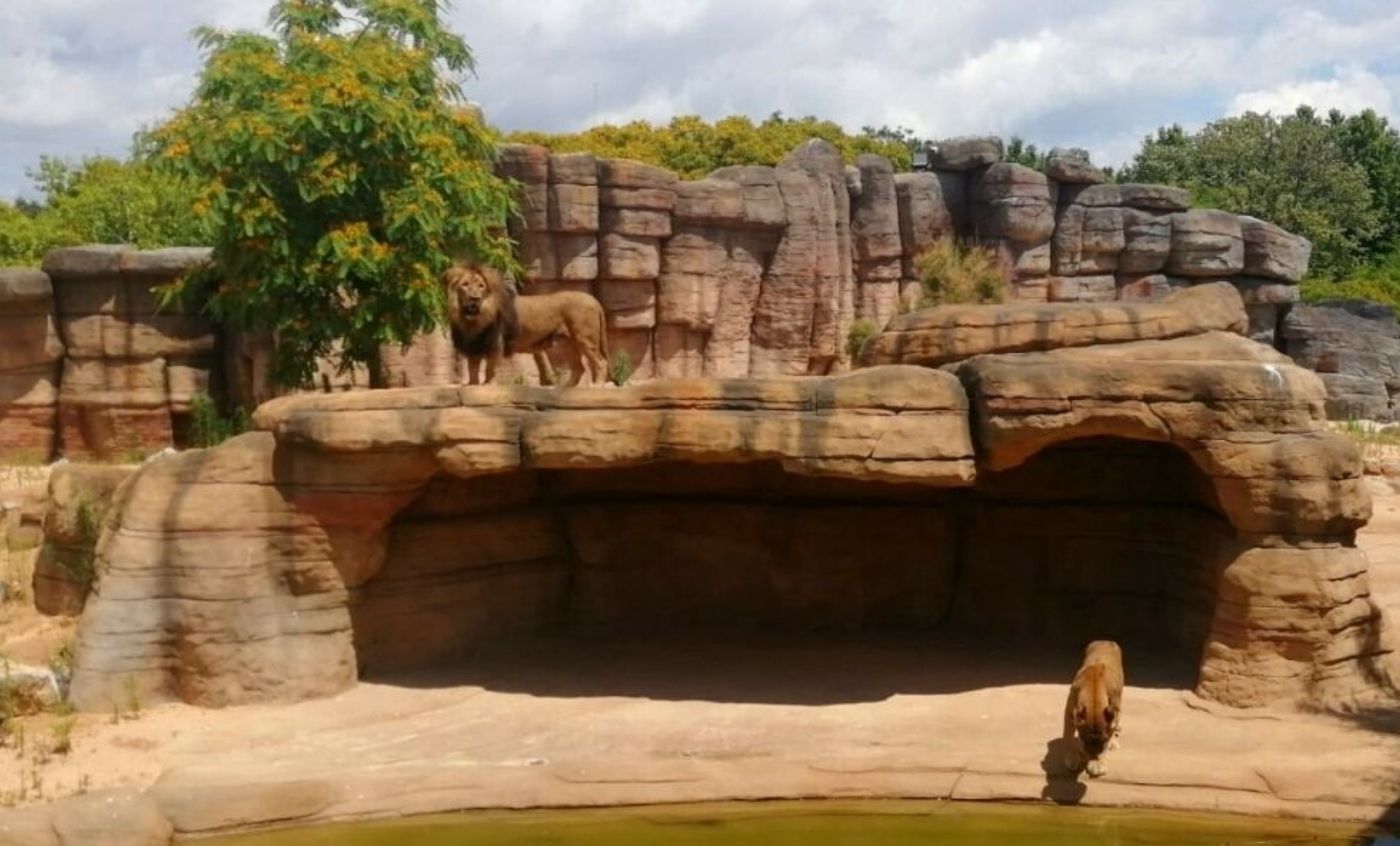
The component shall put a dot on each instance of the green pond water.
(822, 824)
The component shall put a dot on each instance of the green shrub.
(861, 331)
(621, 368)
(210, 427)
(953, 273)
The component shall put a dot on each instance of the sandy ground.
(575, 724)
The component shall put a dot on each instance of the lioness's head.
(1095, 726)
(470, 291)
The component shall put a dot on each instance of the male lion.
(1093, 712)
(489, 319)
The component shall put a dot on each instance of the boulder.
(1273, 252)
(1256, 291)
(628, 257)
(30, 359)
(576, 257)
(1356, 398)
(966, 153)
(1158, 198)
(1082, 289)
(1146, 287)
(808, 291)
(654, 199)
(875, 231)
(573, 208)
(573, 168)
(763, 202)
(1071, 165)
(1013, 202)
(528, 165)
(937, 336)
(629, 174)
(924, 216)
(1206, 242)
(645, 223)
(711, 201)
(1147, 241)
(79, 497)
(1101, 240)
(629, 304)
(26, 689)
(1359, 340)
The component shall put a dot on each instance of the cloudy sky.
(79, 76)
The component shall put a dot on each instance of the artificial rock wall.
(751, 271)
(89, 367)
(762, 270)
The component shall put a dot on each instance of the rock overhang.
(259, 547)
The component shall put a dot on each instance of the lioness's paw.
(1094, 768)
(1113, 743)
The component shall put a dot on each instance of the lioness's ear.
(1108, 716)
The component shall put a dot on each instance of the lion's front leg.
(546, 368)
(473, 369)
(1074, 754)
(493, 359)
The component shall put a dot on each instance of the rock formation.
(751, 271)
(1135, 470)
(31, 358)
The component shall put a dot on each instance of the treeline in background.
(1333, 178)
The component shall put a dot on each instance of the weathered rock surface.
(1271, 251)
(1354, 345)
(1206, 242)
(937, 336)
(924, 214)
(129, 372)
(30, 360)
(79, 496)
(1071, 165)
(966, 153)
(1013, 202)
(277, 501)
(315, 535)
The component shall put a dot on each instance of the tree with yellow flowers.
(336, 175)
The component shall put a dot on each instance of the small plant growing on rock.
(621, 368)
(210, 427)
(133, 696)
(954, 273)
(861, 331)
(62, 731)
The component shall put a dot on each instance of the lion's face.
(471, 295)
(469, 292)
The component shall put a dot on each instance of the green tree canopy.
(1369, 141)
(98, 200)
(336, 176)
(692, 147)
(1293, 171)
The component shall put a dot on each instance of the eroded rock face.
(1354, 346)
(319, 534)
(934, 337)
(274, 507)
(31, 355)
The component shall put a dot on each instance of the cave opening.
(1092, 538)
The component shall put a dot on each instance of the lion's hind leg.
(545, 367)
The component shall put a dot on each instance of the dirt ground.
(575, 723)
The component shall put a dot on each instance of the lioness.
(489, 318)
(1093, 712)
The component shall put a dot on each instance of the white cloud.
(78, 76)
(1351, 89)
